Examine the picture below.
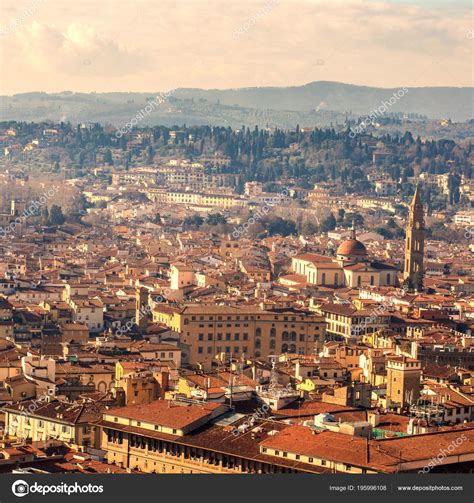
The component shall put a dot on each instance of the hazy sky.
(120, 45)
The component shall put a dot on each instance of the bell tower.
(142, 308)
(414, 244)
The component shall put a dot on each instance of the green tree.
(216, 219)
(45, 216)
(194, 221)
(309, 228)
(280, 226)
(56, 216)
(108, 157)
(386, 233)
(350, 218)
(329, 223)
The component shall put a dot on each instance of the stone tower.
(142, 308)
(403, 381)
(415, 244)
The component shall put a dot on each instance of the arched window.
(273, 332)
(284, 348)
(101, 386)
(258, 332)
(284, 336)
(258, 343)
(272, 344)
(292, 348)
(293, 336)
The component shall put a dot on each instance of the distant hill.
(314, 104)
(433, 102)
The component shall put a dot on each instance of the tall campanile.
(415, 244)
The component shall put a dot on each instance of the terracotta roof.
(62, 412)
(166, 413)
(351, 247)
(338, 309)
(313, 257)
(382, 455)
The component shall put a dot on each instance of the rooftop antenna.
(273, 375)
(230, 382)
(240, 370)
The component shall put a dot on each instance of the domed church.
(352, 250)
(352, 267)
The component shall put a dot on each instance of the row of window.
(245, 336)
(307, 459)
(285, 348)
(238, 317)
(227, 349)
(163, 355)
(219, 335)
(258, 330)
(171, 450)
(336, 279)
(41, 424)
(220, 325)
(449, 412)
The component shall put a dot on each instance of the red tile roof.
(166, 413)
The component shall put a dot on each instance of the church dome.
(351, 247)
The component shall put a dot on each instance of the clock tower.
(415, 244)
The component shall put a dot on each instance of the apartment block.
(208, 331)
